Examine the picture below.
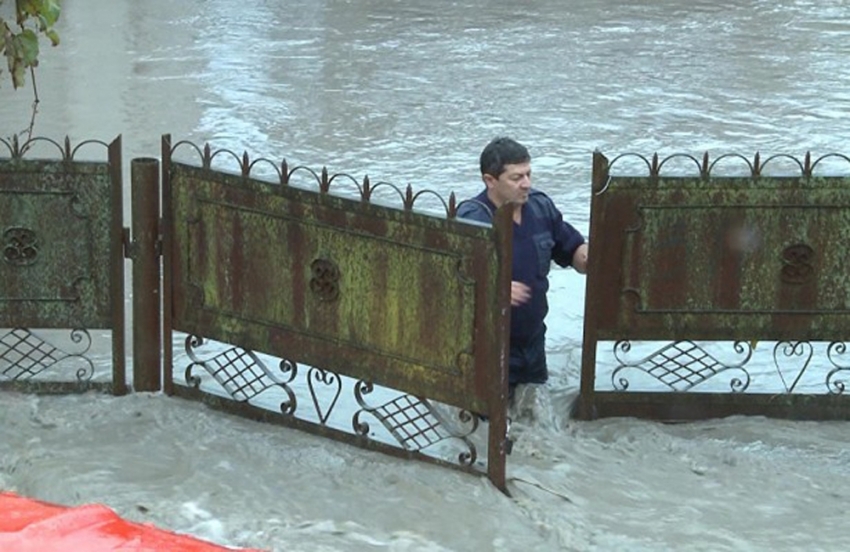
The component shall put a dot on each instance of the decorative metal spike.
(16, 150)
(246, 165)
(325, 184)
(408, 198)
(654, 169)
(452, 206)
(284, 173)
(68, 154)
(207, 162)
(367, 189)
(757, 166)
(704, 169)
(807, 165)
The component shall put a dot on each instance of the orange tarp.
(28, 525)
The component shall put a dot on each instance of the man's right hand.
(520, 293)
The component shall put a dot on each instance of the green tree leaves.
(19, 42)
(21, 54)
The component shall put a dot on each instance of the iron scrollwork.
(324, 280)
(20, 246)
(789, 350)
(242, 374)
(797, 264)
(28, 355)
(681, 366)
(328, 379)
(414, 423)
(835, 384)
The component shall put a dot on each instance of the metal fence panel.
(387, 296)
(62, 258)
(743, 259)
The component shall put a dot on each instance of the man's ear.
(489, 180)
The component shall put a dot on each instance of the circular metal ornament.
(20, 246)
(797, 264)
(324, 280)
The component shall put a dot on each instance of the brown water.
(409, 93)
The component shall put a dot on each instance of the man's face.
(513, 184)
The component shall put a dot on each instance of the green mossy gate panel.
(724, 259)
(55, 221)
(705, 258)
(376, 293)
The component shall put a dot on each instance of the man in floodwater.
(540, 236)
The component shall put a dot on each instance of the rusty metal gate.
(332, 314)
(393, 319)
(735, 287)
(326, 312)
(62, 267)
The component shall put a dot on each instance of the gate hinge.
(129, 246)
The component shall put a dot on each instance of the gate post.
(145, 252)
(585, 407)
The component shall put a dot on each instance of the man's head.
(506, 170)
(500, 152)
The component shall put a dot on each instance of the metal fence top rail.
(323, 180)
(704, 167)
(18, 151)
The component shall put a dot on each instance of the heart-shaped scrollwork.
(328, 380)
(796, 356)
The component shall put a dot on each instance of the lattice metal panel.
(25, 356)
(244, 377)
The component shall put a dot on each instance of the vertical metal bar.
(500, 345)
(167, 246)
(147, 343)
(586, 408)
(116, 271)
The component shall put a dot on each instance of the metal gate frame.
(63, 263)
(626, 298)
(213, 288)
(478, 259)
(742, 259)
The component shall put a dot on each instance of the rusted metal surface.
(145, 252)
(62, 253)
(701, 406)
(714, 258)
(386, 296)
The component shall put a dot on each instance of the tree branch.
(34, 104)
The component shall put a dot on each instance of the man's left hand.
(580, 259)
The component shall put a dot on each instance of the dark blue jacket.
(542, 237)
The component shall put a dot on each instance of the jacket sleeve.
(473, 209)
(567, 238)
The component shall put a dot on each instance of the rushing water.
(409, 92)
